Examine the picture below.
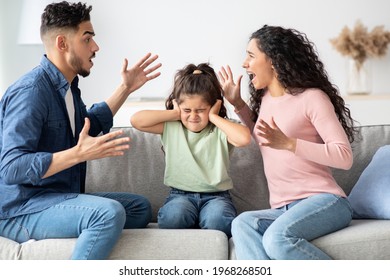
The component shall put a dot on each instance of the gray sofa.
(141, 171)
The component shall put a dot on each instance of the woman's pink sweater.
(321, 143)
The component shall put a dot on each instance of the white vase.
(359, 77)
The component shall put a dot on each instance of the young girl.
(303, 128)
(197, 139)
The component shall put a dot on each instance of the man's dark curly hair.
(197, 80)
(298, 67)
(64, 15)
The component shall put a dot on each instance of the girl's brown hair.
(197, 80)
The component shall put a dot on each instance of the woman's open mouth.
(251, 76)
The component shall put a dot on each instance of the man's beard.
(77, 65)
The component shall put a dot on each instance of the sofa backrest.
(141, 169)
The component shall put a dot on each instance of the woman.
(303, 128)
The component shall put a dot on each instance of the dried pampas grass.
(359, 44)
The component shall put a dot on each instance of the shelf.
(366, 109)
(366, 97)
(122, 117)
(369, 109)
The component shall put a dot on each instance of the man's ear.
(61, 43)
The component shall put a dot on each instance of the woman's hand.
(276, 139)
(231, 89)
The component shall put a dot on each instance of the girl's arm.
(237, 134)
(153, 120)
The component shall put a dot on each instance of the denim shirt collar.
(56, 77)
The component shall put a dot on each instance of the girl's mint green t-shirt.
(196, 162)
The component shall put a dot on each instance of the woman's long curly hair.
(298, 67)
(197, 80)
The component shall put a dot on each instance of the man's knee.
(115, 211)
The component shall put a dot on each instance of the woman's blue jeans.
(197, 210)
(97, 220)
(286, 232)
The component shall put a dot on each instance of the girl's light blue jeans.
(197, 210)
(286, 232)
(97, 220)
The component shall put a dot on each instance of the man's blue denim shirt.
(34, 124)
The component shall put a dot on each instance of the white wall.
(183, 31)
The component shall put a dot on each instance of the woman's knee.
(241, 220)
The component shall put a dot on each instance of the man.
(47, 135)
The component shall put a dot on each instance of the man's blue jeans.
(97, 220)
(197, 210)
(286, 232)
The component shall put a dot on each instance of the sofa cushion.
(9, 249)
(150, 243)
(370, 197)
(361, 240)
(171, 244)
